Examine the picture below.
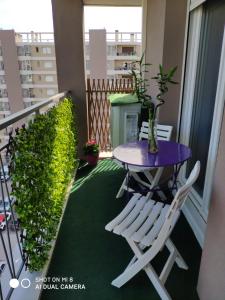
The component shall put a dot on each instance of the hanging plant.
(43, 160)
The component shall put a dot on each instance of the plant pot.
(92, 159)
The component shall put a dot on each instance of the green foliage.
(163, 79)
(140, 83)
(43, 161)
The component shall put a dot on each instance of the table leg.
(155, 181)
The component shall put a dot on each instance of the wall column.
(164, 44)
(69, 47)
(98, 54)
(11, 68)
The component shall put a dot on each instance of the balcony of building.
(89, 242)
(83, 247)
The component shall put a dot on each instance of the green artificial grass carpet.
(92, 256)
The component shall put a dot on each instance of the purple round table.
(136, 153)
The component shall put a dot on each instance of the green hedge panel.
(43, 162)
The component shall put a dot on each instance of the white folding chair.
(164, 132)
(147, 225)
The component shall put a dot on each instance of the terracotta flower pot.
(92, 159)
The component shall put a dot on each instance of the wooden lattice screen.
(99, 107)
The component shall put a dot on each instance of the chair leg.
(159, 286)
(152, 275)
(179, 259)
(135, 265)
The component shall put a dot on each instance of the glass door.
(202, 107)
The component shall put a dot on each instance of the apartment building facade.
(33, 61)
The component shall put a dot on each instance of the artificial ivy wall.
(43, 163)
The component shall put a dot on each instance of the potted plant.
(152, 105)
(91, 152)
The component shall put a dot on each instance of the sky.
(36, 15)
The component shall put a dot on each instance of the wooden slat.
(99, 107)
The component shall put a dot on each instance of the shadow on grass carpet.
(94, 257)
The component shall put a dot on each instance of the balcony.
(93, 257)
(83, 246)
(89, 182)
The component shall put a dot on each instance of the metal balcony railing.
(43, 37)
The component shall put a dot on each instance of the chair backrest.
(163, 131)
(176, 205)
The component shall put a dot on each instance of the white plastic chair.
(147, 225)
(164, 132)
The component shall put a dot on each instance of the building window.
(24, 50)
(26, 78)
(49, 78)
(3, 93)
(28, 93)
(127, 51)
(37, 49)
(50, 92)
(2, 79)
(1, 65)
(4, 106)
(46, 50)
(111, 50)
(25, 65)
(27, 104)
(48, 65)
(39, 77)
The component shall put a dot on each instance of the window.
(46, 50)
(28, 93)
(111, 50)
(4, 106)
(203, 105)
(49, 78)
(1, 65)
(27, 104)
(24, 50)
(3, 93)
(25, 65)
(212, 29)
(37, 49)
(39, 77)
(50, 92)
(26, 78)
(2, 79)
(127, 51)
(48, 65)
